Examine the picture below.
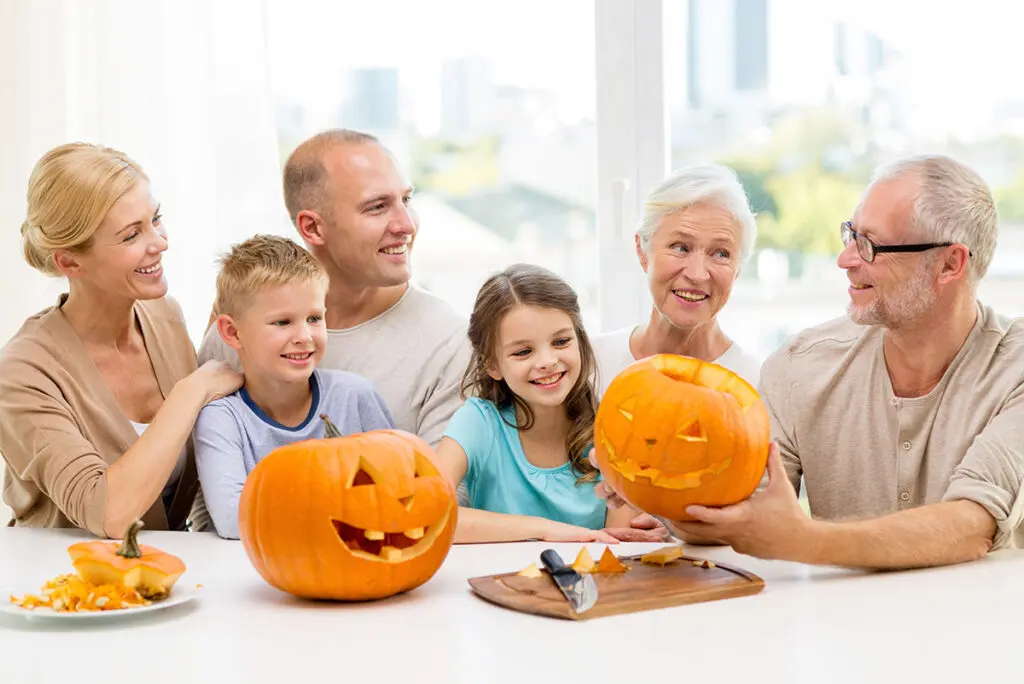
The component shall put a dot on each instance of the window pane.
(803, 98)
(490, 113)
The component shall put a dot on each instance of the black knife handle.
(553, 562)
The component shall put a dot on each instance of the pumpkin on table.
(672, 431)
(347, 518)
(146, 569)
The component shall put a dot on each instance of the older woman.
(99, 392)
(696, 231)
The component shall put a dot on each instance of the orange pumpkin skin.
(152, 572)
(672, 431)
(307, 511)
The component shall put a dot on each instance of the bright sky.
(545, 43)
(961, 53)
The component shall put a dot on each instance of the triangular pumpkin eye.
(692, 432)
(364, 475)
(362, 478)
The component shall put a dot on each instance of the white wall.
(181, 87)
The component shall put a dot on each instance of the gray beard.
(901, 308)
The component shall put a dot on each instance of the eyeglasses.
(868, 249)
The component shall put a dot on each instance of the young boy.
(271, 299)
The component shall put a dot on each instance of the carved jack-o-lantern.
(347, 518)
(672, 431)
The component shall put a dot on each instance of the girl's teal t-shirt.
(500, 479)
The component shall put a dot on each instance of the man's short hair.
(953, 204)
(305, 176)
(261, 262)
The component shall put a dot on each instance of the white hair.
(952, 204)
(702, 184)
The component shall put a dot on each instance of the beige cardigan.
(60, 426)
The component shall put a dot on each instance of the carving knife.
(579, 590)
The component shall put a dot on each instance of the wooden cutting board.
(642, 587)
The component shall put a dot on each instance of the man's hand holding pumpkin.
(769, 524)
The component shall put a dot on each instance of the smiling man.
(350, 203)
(906, 417)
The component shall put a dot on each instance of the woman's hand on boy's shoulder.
(215, 379)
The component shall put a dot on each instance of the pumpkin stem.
(330, 429)
(130, 546)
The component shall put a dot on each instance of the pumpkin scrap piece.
(583, 562)
(147, 570)
(662, 556)
(703, 563)
(609, 562)
(531, 571)
(72, 594)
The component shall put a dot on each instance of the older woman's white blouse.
(613, 355)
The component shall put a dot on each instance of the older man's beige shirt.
(864, 452)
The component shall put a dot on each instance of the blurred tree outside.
(456, 168)
(1010, 199)
(806, 180)
(802, 181)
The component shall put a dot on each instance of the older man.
(906, 418)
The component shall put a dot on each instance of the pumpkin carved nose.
(406, 501)
(650, 441)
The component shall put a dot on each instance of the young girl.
(521, 442)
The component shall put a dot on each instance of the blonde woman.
(98, 393)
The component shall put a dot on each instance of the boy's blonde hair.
(260, 262)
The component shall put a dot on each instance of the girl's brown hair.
(529, 285)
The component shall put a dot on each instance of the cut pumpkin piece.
(148, 570)
(583, 562)
(609, 562)
(662, 556)
(530, 571)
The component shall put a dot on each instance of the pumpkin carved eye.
(364, 475)
(362, 478)
(692, 432)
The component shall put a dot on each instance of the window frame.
(633, 149)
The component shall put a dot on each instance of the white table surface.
(961, 623)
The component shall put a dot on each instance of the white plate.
(179, 595)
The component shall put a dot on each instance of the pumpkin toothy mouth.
(634, 471)
(388, 547)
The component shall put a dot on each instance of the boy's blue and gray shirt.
(233, 434)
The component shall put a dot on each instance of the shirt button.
(906, 446)
(895, 401)
(904, 497)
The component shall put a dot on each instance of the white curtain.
(179, 85)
